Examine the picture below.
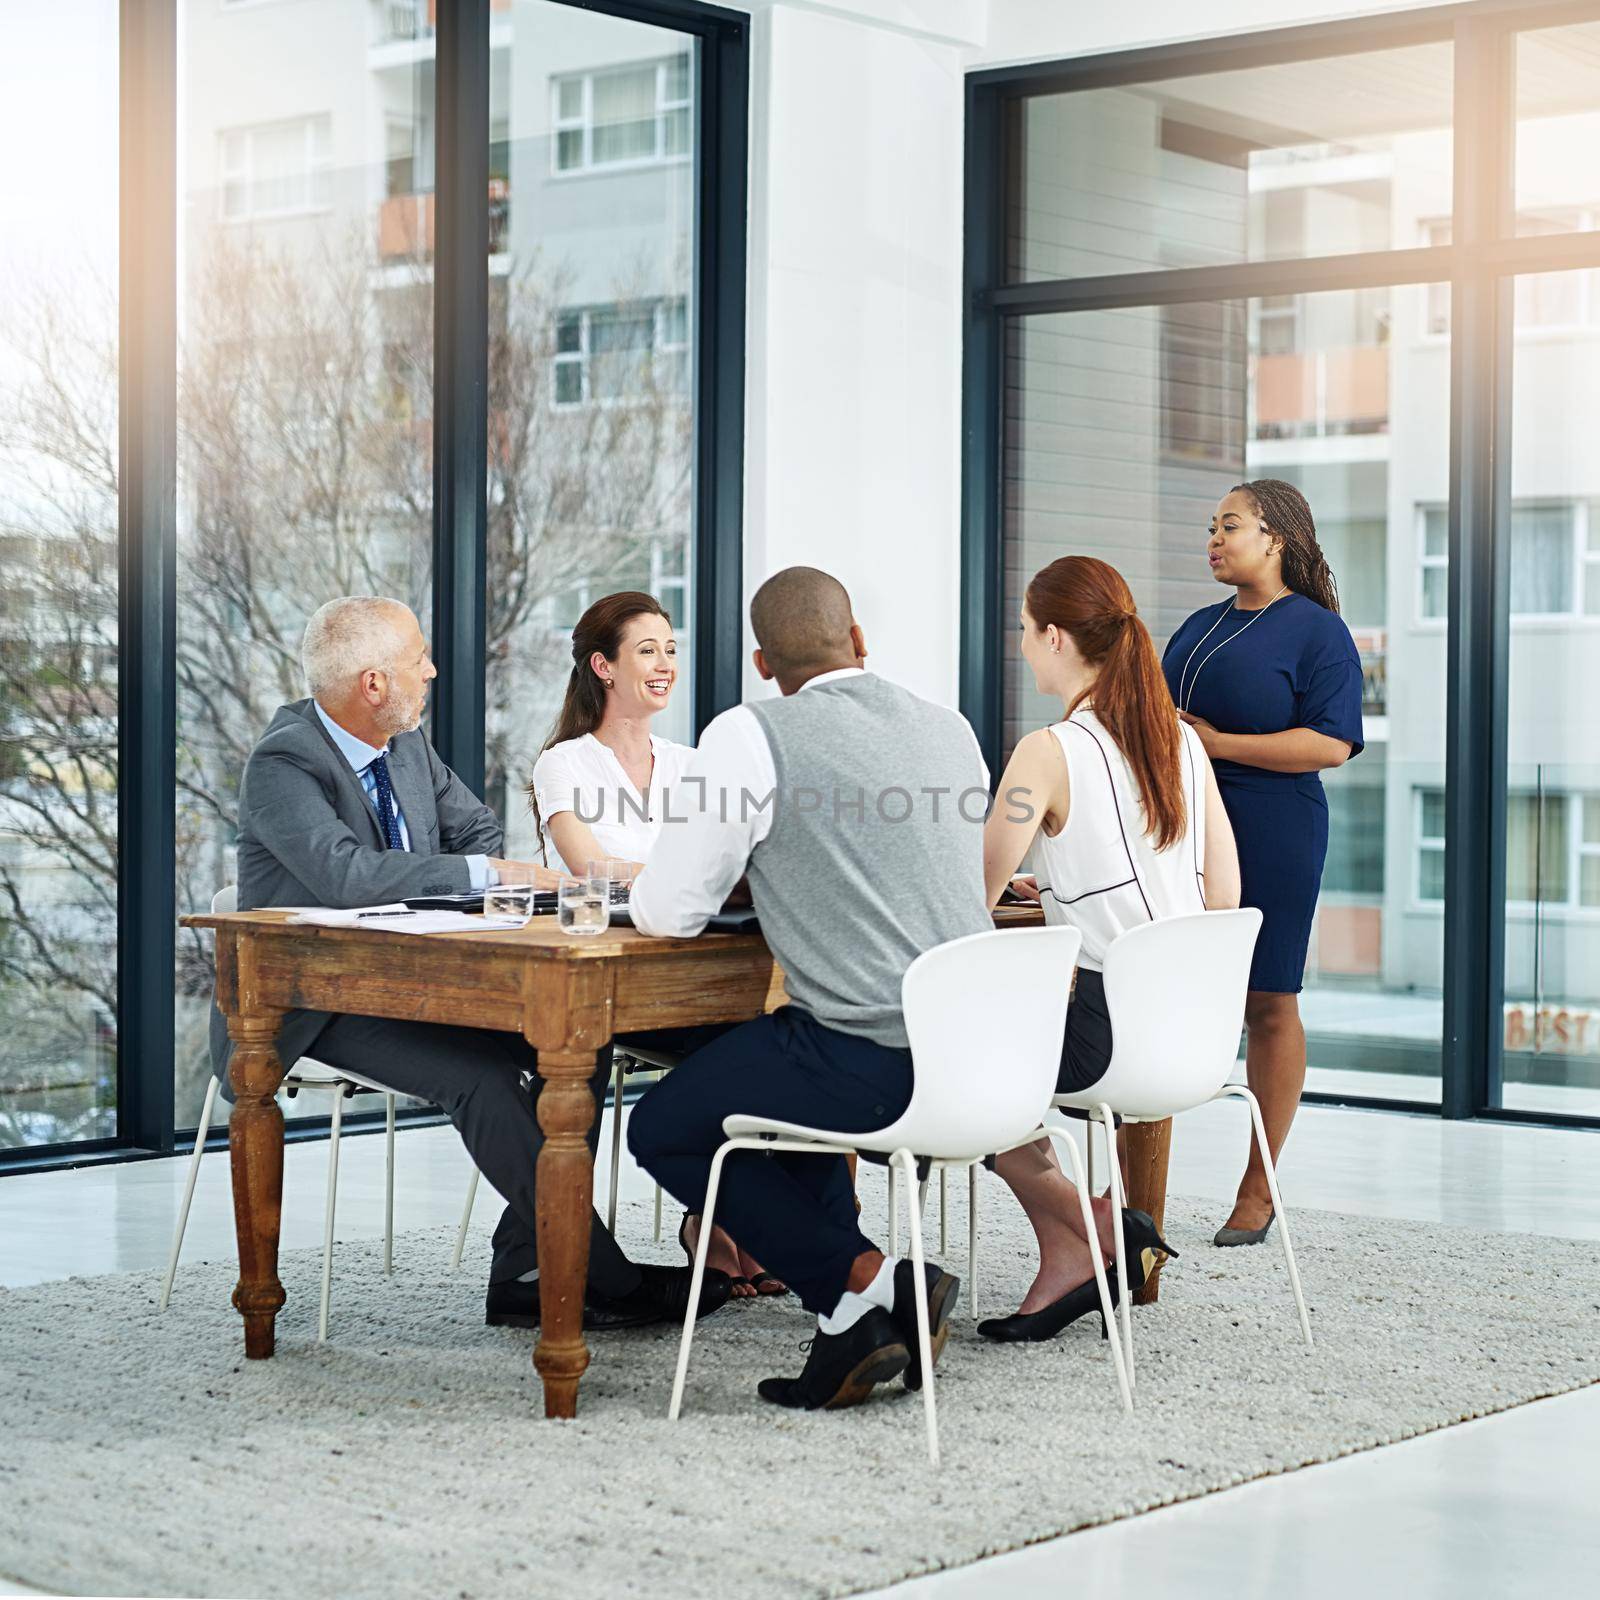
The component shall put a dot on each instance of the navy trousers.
(795, 1214)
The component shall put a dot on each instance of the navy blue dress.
(1294, 666)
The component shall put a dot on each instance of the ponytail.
(1090, 600)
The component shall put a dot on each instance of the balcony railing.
(406, 221)
(1319, 392)
(400, 20)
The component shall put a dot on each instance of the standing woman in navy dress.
(1271, 681)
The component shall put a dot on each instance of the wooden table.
(566, 996)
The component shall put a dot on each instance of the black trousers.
(481, 1081)
(795, 1214)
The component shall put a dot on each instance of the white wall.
(854, 349)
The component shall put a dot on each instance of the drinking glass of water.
(583, 904)
(508, 900)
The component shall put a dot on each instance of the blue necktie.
(387, 820)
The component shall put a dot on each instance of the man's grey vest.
(876, 848)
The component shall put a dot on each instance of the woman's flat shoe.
(1034, 1326)
(1231, 1236)
(767, 1283)
(1146, 1248)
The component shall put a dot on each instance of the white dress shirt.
(361, 755)
(584, 776)
(717, 821)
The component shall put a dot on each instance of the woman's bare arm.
(1034, 787)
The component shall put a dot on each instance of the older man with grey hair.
(345, 803)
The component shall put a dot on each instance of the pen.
(361, 914)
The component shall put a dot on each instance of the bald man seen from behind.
(855, 810)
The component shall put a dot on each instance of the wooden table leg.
(568, 1022)
(1146, 1147)
(255, 1152)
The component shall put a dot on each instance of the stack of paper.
(397, 918)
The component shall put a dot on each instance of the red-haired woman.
(1119, 804)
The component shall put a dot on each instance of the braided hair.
(1287, 514)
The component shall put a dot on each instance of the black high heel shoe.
(711, 1272)
(1035, 1326)
(1145, 1246)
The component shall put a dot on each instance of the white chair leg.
(922, 1196)
(388, 1189)
(919, 1279)
(1108, 1316)
(972, 1237)
(188, 1190)
(616, 1150)
(944, 1211)
(701, 1250)
(1125, 1299)
(466, 1217)
(658, 1214)
(1278, 1210)
(894, 1210)
(327, 1226)
(1088, 1153)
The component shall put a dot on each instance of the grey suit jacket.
(308, 836)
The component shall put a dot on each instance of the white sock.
(852, 1307)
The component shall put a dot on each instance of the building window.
(1355, 839)
(277, 169)
(1555, 559)
(1552, 849)
(1430, 845)
(631, 351)
(626, 116)
(1543, 300)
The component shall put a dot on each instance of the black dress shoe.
(660, 1297)
(943, 1292)
(663, 1296)
(1034, 1326)
(842, 1368)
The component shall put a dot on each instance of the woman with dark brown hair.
(1119, 805)
(602, 787)
(603, 779)
(1270, 679)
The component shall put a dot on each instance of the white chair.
(985, 1016)
(1175, 990)
(306, 1073)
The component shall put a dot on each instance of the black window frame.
(1481, 263)
(147, 454)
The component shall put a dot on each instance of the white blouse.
(1102, 873)
(585, 777)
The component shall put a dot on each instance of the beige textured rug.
(141, 1455)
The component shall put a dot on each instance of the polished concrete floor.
(1501, 1507)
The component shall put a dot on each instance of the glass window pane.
(570, 104)
(1589, 881)
(304, 420)
(1433, 814)
(569, 499)
(624, 141)
(1536, 847)
(1552, 944)
(1430, 875)
(1435, 592)
(1301, 158)
(1541, 559)
(58, 573)
(677, 88)
(1123, 430)
(1435, 531)
(678, 135)
(569, 149)
(1558, 125)
(1591, 819)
